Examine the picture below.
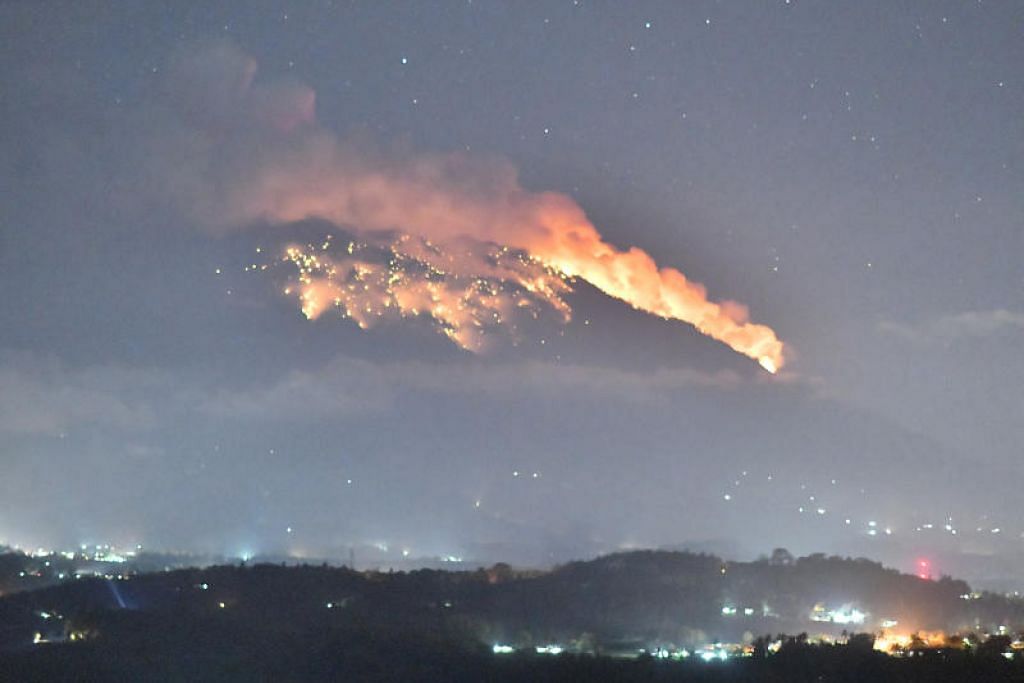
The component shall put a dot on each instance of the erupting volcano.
(453, 237)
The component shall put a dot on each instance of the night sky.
(851, 172)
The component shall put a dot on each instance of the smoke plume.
(457, 237)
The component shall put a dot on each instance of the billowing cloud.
(236, 153)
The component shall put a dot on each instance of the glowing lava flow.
(412, 278)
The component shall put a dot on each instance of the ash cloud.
(232, 152)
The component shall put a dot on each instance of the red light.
(924, 570)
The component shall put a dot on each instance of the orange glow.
(893, 642)
(571, 244)
(436, 203)
(464, 296)
(430, 199)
